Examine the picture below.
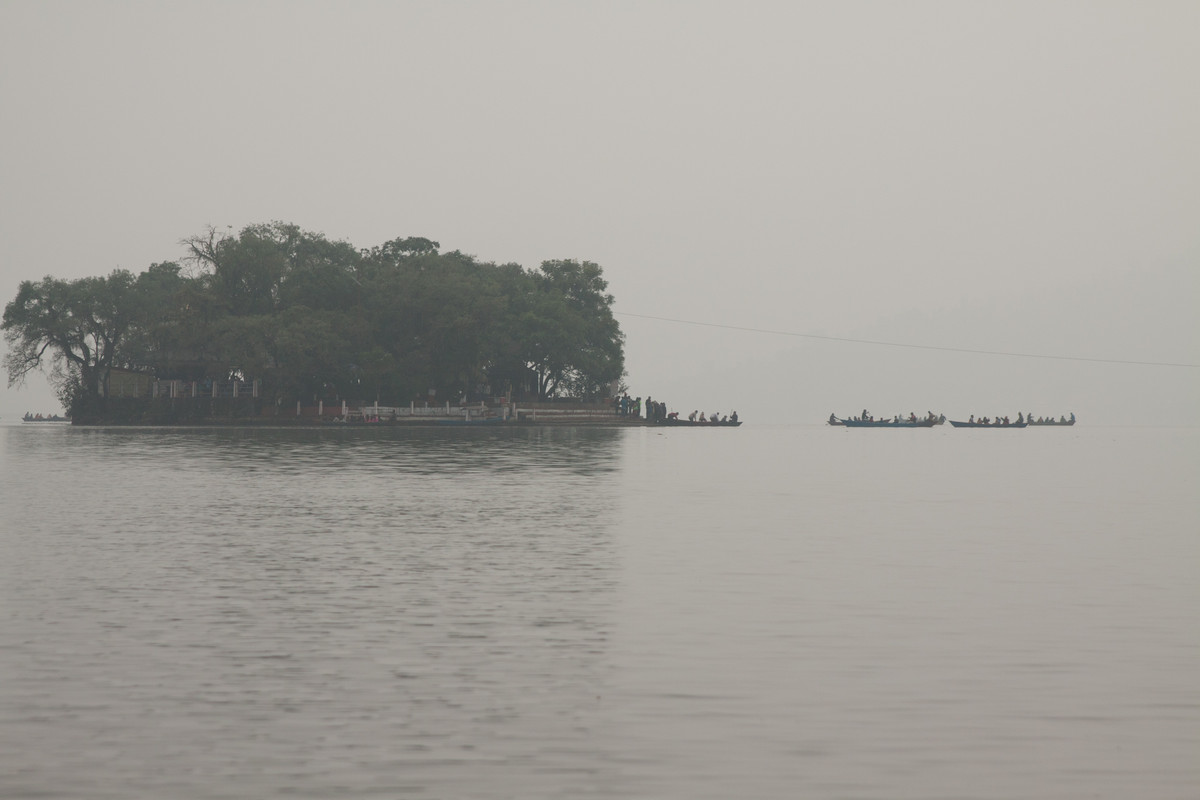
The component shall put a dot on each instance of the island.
(279, 325)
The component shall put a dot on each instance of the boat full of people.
(701, 420)
(47, 418)
(1061, 421)
(866, 420)
(988, 422)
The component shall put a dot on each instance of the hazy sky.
(1008, 176)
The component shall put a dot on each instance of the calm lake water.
(762, 612)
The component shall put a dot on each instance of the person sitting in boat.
(1072, 416)
(912, 417)
(702, 417)
(832, 418)
(1020, 418)
(692, 416)
(733, 417)
(972, 419)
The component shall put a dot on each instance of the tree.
(308, 316)
(565, 332)
(157, 340)
(246, 271)
(79, 328)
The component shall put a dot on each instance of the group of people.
(996, 421)
(1047, 420)
(39, 418)
(626, 406)
(654, 411)
(912, 417)
(1022, 419)
(716, 417)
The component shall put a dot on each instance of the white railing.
(413, 410)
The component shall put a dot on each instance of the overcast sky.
(1013, 177)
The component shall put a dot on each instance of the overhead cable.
(907, 345)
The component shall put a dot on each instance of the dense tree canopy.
(313, 318)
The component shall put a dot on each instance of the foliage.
(313, 319)
(79, 329)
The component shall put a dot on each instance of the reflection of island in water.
(482, 456)
(437, 587)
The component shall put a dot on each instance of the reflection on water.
(339, 612)
(559, 612)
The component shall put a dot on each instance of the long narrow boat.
(1057, 423)
(695, 423)
(958, 424)
(887, 423)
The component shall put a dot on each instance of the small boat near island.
(695, 423)
(867, 421)
(39, 418)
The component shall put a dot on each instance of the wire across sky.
(878, 343)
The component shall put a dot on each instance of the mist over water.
(573, 612)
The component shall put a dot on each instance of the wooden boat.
(690, 423)
(1062, 423)
(923, 422)
(927, 422)
(958, 424)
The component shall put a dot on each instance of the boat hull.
(858, 423)
(989, 425)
